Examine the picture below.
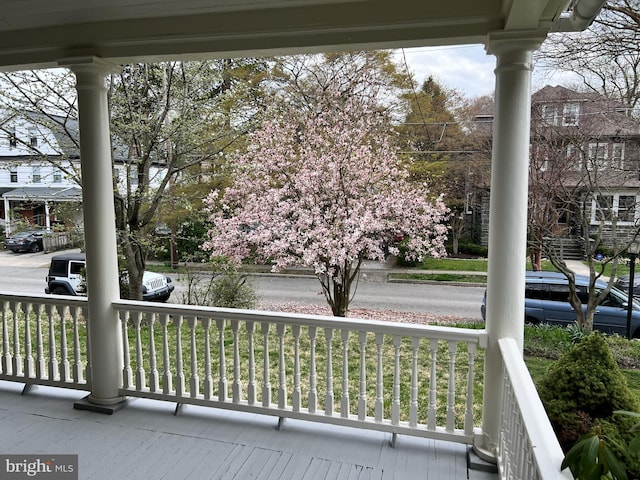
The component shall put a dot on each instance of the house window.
(626, 208)
(617, 155)
(572, 157)
(570, 114)
(13, 173)
(57, 176)
(621, 206)
(33, 137)
(549, 114)
(597, 154)
(133, 176)
(35, 175)
(603, 208)
(13, 140)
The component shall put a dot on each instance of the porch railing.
(528, 446)
(44, 341)
(399, 378)
(394, 377)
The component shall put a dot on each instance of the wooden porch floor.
(145, 440)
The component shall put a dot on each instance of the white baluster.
(53, 357)
(468, 421)
(344, 399)
(451, 392)
(313, 377)
(251, 387)
(41, 365)
(395, 401)
(167, 380)
(362, 396)
(296, 394)
(154, 380)
(328, 399)
(16, 358)
(194, 379)
(208, 376)
(28, 357)
(180, 382)
(77, 355)
(413, 406)
(6, 355)
(433, 385)
(127, 372)
(222, 381)
(266, 373)
(141, 376)
(237, 381)
(282, 378)
(87, 326)
(64, 353)
(379, 406)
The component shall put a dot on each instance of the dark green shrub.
(584, 387)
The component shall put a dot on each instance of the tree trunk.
(135, 266)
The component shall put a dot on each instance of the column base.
(480, 462)
(87, 404)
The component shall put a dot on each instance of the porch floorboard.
(145, 440)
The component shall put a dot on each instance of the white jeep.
(67, 277)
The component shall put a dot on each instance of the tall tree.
(167, 121)
(437, 144)
(606, 57)
(324, 187)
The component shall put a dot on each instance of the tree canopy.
(323, 186)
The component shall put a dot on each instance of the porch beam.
(507, 215)
(105, 340)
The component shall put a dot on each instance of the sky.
(467, 68)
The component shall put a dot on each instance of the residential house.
(40, 171)
(584, 170)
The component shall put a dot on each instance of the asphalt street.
(26, 272)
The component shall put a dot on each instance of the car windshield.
(23, 234)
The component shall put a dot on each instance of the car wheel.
(59, 291)
(35, 247)
(531, 321)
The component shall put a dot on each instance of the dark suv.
(547, 301)
(67, 277)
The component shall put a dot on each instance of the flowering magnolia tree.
(324, 188)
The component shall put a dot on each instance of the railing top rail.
(43, 299)
(546, 448)
(478, 336)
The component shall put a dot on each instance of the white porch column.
(105, 335)
(507, 213)
(47, 215)
(7, 217)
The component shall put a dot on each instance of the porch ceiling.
(38, 33)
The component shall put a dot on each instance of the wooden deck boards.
(145, 440)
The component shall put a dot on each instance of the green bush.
(582, 389)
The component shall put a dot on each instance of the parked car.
(547, 301)
(622, 283)
(67, 277)
(27, 241)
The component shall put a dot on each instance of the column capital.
(89, 64)
(506, 42)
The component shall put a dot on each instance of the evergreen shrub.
(582, 389)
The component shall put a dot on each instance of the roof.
(41, 33)
(66, 194)
(69, 256)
